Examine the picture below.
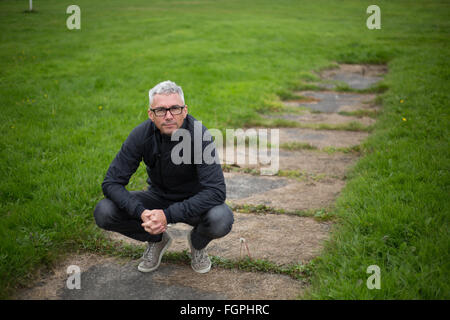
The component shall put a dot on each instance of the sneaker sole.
(142, 269)
(204, 270)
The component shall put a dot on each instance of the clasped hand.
(154, 221)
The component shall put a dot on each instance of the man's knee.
(219, 221)
(103, 212)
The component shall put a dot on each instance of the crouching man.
(193, 193)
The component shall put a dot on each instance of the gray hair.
(165, 87)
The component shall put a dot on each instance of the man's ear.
(186, 108)
(150, 115)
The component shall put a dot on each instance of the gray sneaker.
(154, 252)
(200, 261)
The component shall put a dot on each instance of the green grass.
(323, 214)
(288, 95)
(379, 87)
(230, 58)
(283, 123)
(353, 149)
(275, 107)
(306, 86)
(300, 175)
(297, 146)
(246, 263)
(292, 146)
(360, 113)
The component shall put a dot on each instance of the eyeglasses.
(161, 112)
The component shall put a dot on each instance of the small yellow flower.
(45, 95)
(100, 108)
(404, 119)
(401, 100)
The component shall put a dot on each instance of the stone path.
(277, 218)
(332, 102)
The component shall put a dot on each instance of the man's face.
(169, 123)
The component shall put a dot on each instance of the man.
(193, 193)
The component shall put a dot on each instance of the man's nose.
(168, 115)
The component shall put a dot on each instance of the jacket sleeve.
(119, 172)
(212, 192)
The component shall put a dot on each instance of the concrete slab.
(331, 101)
(301, 238)
(105, 278)
(244, 185)
(112, 281)
(293, 195)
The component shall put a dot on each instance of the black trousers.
(213, 224)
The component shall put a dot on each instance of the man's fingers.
(151, 224)
(154, 228)
(155, 231)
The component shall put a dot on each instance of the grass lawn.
(68, 100)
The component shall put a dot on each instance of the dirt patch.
(121, 238)
(317, 138)
(281, 239)
(236, 285)
(356, 76)
(304, 99)
(368, 106)
(322, 138)
(179, 232)
(324, 118)
(306, 161)
(301, 238)
(317, 163)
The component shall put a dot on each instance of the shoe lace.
(200, 255)
(148, 253)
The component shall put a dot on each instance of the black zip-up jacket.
(195, 188)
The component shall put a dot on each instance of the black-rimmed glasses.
(161, 112)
